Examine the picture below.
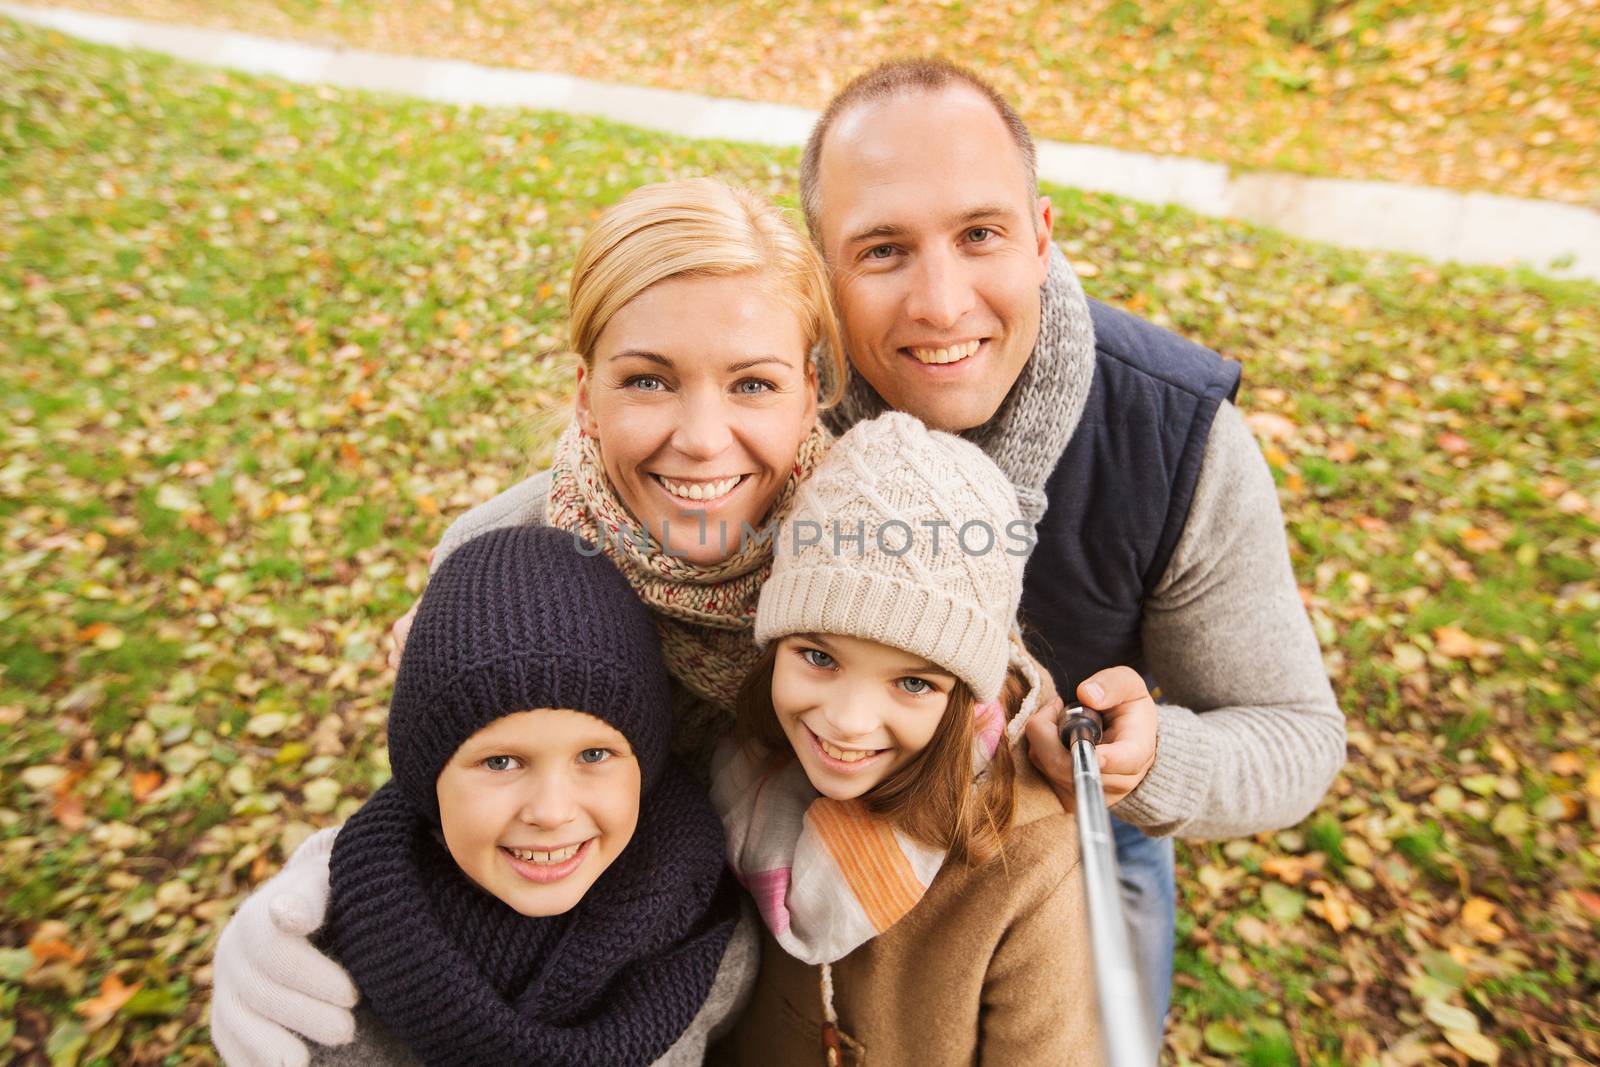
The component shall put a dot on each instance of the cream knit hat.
(909, 537)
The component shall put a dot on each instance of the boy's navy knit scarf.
(463, 979)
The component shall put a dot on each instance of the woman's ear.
(585, 414)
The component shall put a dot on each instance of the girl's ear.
(584, 412)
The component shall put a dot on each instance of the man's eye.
(594, 755)
(880, 252)
(500, 763)
(915, 686)
(979, 234)
(645, 383)
(816, 657)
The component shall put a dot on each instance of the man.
(1161, 555)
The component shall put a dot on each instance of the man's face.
(937, 255)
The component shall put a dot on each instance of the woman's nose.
(704, 430)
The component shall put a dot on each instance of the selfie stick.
(1124, 1031)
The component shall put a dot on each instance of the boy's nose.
(548, 802)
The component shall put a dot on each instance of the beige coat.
(993, 965)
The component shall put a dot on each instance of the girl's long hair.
(933, 797)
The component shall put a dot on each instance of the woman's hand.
(270, 986)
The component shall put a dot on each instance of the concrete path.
(1558, 239)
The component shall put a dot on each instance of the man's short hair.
(894, 78)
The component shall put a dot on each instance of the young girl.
(917, 879)
(539, 883)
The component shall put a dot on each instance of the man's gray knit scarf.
(1027, 435)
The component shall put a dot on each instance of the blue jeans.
(1149, 904)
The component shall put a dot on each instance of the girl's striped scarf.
(705, 615)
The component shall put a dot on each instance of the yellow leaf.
(1567, 764)
(1475, 1045)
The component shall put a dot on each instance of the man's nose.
(941, 292)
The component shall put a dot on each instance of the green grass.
(258, 343)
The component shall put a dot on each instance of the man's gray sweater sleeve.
(1250, 733)
(521, 505)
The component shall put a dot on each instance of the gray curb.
(1561, 240)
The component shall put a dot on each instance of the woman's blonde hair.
(701, 227)
(932, 798)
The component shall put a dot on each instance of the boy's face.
(536, 805)
(855, 711)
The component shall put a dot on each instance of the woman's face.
(700, 394)
(855, 711)
(536, 805)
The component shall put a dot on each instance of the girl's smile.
(842, 760)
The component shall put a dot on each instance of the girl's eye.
(817, 658)
(645, 383)
(500, 763)
(915, 686)
(594, 755)
(754, 386)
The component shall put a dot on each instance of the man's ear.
(1043, 220)
(584, 413)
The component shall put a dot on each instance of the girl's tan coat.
(992, 966)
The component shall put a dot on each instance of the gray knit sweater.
(1250, 734)
(375, 1046)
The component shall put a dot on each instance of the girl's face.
(855, 711)
(700, 394)
(538, 804)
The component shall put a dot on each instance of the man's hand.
(1126, 751)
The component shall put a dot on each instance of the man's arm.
(1249, 735)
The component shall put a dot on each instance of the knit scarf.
(462, 979)
(829, 875)
(705, 614)
(1027, 435)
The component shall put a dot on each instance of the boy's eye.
(500, 763)
(594, 755)
(915, 686)
(817, 658)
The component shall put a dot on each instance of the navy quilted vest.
(1119, 496)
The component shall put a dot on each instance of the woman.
(694, 309)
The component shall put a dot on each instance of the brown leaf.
(99, 1010)
(1455, 642)
(143, 784)
(1452, 443)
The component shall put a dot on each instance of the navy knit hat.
(521, 618)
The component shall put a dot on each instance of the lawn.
(260, 342)
(1502, 97)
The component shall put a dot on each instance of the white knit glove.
(269, 983)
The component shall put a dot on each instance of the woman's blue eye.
(915, 686)
(645, 383)
(594, 755)
(499, 763)
(754, 386)
(816, 657)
